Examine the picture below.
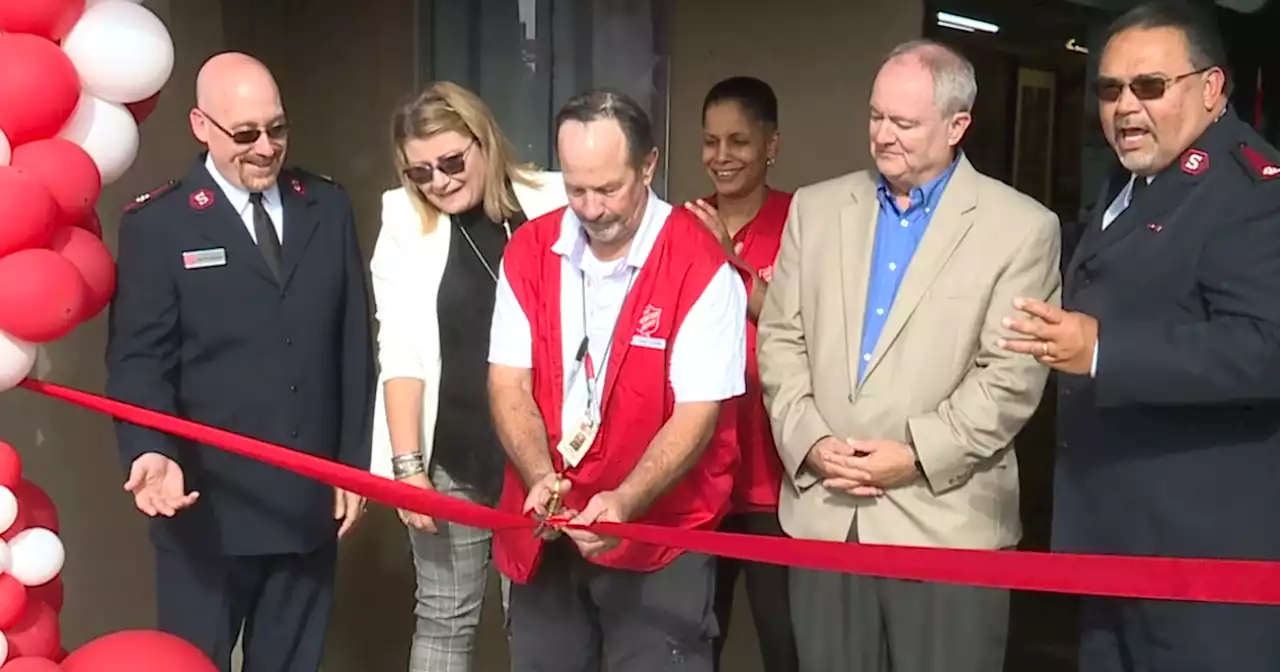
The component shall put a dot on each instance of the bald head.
(233, 75)
(240, 118)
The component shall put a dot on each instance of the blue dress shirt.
(898, 234)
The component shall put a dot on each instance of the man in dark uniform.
(1168, 350)
(241, 304)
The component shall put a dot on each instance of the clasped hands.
(1061, 339)
(862, 468)
(610, 506)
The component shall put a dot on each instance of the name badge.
(649, 342)
(204, 258)
(574, 447)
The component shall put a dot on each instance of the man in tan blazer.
(893, 408)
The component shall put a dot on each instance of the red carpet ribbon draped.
(1201, 580)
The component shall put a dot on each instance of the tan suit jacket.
(937, 379)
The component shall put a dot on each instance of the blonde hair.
(444, 107)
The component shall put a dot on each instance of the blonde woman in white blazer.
(434, 274)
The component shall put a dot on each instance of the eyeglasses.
(1144, 87)
(276, 132)
(424, 173)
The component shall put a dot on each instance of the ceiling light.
(954, 26)
(948, 20)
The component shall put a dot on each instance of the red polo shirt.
(760, 479)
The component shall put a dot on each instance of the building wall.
(341, 66)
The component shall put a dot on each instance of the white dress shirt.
(708, 360)
(239, 199)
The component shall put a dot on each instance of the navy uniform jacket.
(1173, 448)
(225, 345)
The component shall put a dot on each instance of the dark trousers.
(845, 622)
(766, 592)
(573, 616)
(1154, 636)
(282, 602)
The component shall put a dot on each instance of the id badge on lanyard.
(573, 447)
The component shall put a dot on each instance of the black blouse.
(466, 445)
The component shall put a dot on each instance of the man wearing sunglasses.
(241, 304)
(1168, 348)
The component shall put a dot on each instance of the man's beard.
(257, 176)
(605, 230)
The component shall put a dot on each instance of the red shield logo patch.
(201, 200)
(650, 320)
(1194, 162)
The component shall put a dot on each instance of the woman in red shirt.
(740, 143)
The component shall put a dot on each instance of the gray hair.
(955, 85)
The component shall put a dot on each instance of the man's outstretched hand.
(157, 486)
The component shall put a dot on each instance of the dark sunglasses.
(1144, 87)
(424, 173)
(276, 132)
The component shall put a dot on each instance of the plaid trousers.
(452, 573)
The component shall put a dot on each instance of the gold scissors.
(553, 509)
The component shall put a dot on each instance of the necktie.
(265, 232)
(1140, 184)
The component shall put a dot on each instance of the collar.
(239, 196)
(927, 194)
(572, 243)
(775, 207)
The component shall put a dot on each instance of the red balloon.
(36, 633)
(60, 656)
(138, 651)
(50, 19)
(143, 108)
(13, 601)
(66, 170)
(29, 211)
(92, 258)
(31, 664)
(91, 223)
(42, 295)
(10, 466)
(39, 87)
(19, 524)
(36, 506)
(51, 593)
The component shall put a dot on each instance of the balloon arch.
(77, 77)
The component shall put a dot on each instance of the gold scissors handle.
(553, 507)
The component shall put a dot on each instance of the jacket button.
(288, 341)
(294, 433)
(293, 388)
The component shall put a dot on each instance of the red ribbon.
(1200, 580)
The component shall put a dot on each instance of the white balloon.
(37, 556)
(4, 647)
(5, 150)
(8, 509)
(107, 132)
(122, 51)
(6, 556)
(17, 357)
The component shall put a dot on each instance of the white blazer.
(407, 267)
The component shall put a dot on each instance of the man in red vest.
(619, 329)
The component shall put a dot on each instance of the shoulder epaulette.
(1260, 166)
(302, 172)
(143, 199)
